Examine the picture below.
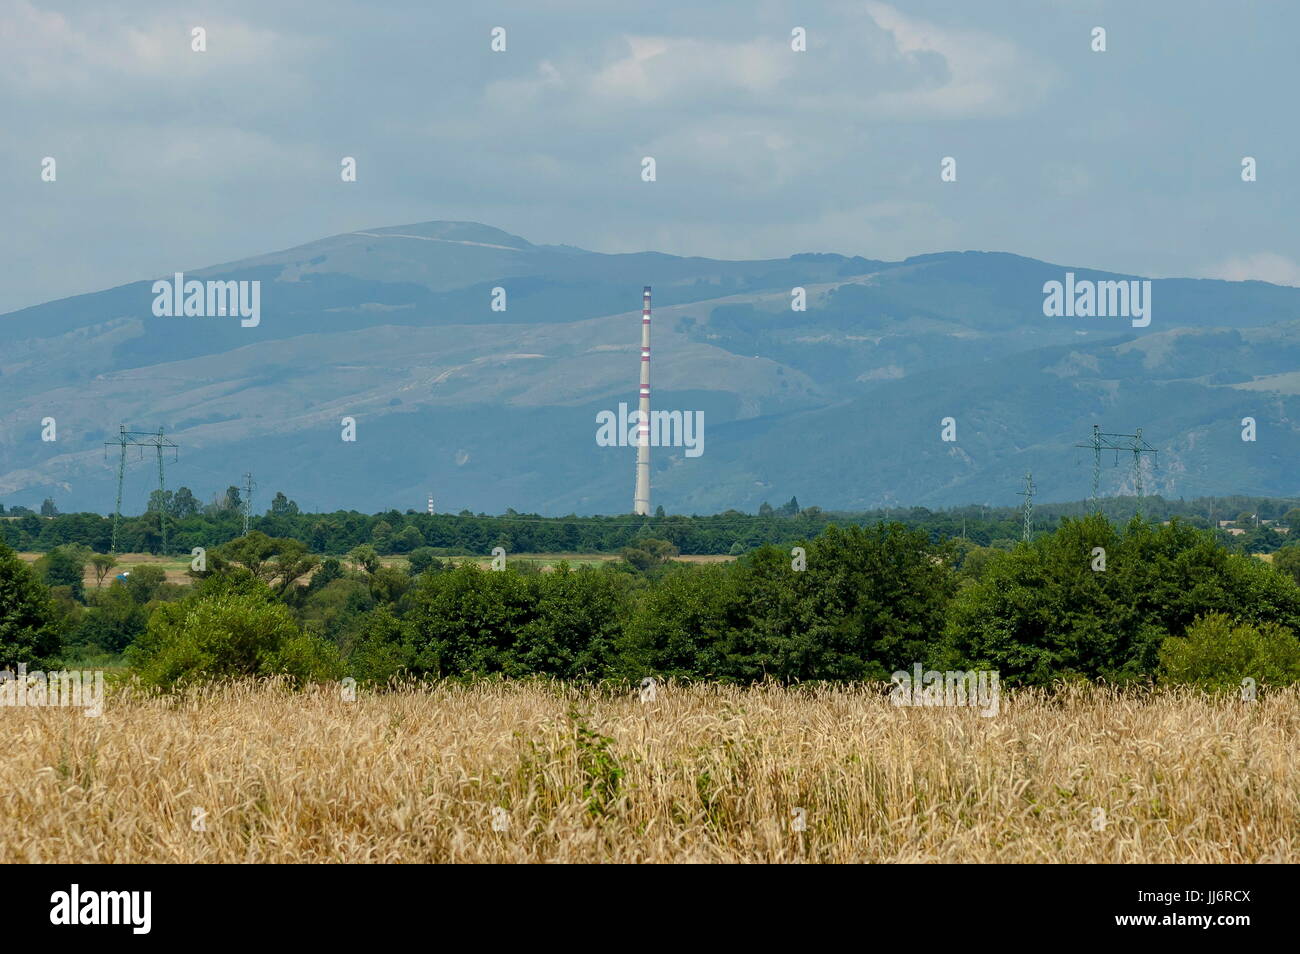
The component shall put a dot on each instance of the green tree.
(1287, 560)
(1044, 611)
(113, 621)
(677, 624)
(333, 610)
(1219, 652)
(388, 584)
(648, 553)
(381, 536)
(468, 621)
(102, 562)
(378, 652)
(66, 566)
(277, 561)
(227, 635)
(871, 601)
(48, 509)
(406, 540)
(330, 569)
(364, 557)
(27, 620)
(184, 504)
(577, 622)
(144, 582)
(422, 559)
(282, 506)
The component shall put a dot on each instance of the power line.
(1101, 440)
(248, 499)
(1028, 494)
(141, 439)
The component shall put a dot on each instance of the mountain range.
(842, 404)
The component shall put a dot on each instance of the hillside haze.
(840, 404)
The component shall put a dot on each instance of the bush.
(228, 635)
(113, 620)
(422, 559)
(1287, 560)
(1218, 652)
(379, 651)
(144, 581)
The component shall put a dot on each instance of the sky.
(1127, 160)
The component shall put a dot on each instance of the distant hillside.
(487, 409)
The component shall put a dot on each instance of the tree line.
(1090, 600)
(1266, 524)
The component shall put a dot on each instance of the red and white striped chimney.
(641, 500)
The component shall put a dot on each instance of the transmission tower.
(1101, 441)
(1028, 494)
(141, 439)
(248, 500)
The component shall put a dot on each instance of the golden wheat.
(258, 773)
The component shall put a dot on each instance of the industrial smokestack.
(641, 500)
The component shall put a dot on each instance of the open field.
(702, 774)
(174, 566)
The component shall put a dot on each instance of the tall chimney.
(641, 501)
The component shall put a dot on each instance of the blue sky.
(1127, 160)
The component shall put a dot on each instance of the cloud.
(106, 60)
(954, 73)
(875, 63)
(1259, 267)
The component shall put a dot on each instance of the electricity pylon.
(248, 499)
(1028, 494)
(1117, 442)
(141, 439)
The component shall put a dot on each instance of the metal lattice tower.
(248, 500)
(141, 439)
(1135, 443)
(1028, 494)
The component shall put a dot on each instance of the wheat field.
(534, 772)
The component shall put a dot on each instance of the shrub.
(379, 651)
(422, 559)
(228, 635)
(1287, 560)
(1218, 652)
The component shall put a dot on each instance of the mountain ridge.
(839, 404)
